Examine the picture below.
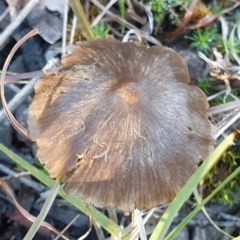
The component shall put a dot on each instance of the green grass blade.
(82, 19)
(43, 213)
(97, 216)
(122, 11)
(167, 218)
(178, 229)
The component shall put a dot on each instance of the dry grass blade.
(224, 107)
(99, 217)
(68, 226)
(19, 98)
(113, 216)
(199, 200)
(228, 124)
(186, 19)
(21, 130)
(25, 213)
(98, 230)
(100, 15)
(82, 19)
(89, 230)
(127, 24)
(28, 182)
(233, 50)
(64, 31)
(210, 18)
(74, 25)
(3, 15)
(20, 76)
(225, 31)
(140, 223)
(146, 218)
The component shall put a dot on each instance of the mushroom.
(120, 123)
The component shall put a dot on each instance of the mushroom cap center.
(130, 92)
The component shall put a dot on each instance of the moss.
(229, 162)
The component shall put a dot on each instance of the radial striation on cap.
(121, 124)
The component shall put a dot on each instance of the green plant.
(228, 163)
(235, 45)
(202, 39)
(168, 216)
(92, 212)
(172, 7)
(224, 99)
(205, 84)
(100, 30)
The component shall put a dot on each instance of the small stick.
(68, 226)
(187, 17)
(19, 98)
(20, 129)
(28, 182)
(18, 20)
(99, 231)
(19, 76)
(127, 24)
(64, 31)
(44, 211)
(74, 25)
(101, 14)
(228, 124)
(224, 107)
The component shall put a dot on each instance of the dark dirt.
(31, 57)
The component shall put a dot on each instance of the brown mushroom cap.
(121, 124)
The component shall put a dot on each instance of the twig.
(210, 98)
(24, 212)
(224, 107)
(99, 231)
(205, 223)
(12, 9)
(2, 16)
(12, 26)
(64, 31)
(68, 226)
(185, 21)
(19, 98)
(146, 218)
(134, 227)
(101, 14)
(20, 76)
(228, 124)
(224, 215)
(16, 125)
(28, 182)
(127, 24)
(142, 231)
(44, 211)
(199, 201)
(74, 25)
(82, 19)
(225, 118)
(113, 216)
(208, 19)
(89, 230)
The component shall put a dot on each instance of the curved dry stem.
(20, 129)
(199, 200)
(25, 213)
